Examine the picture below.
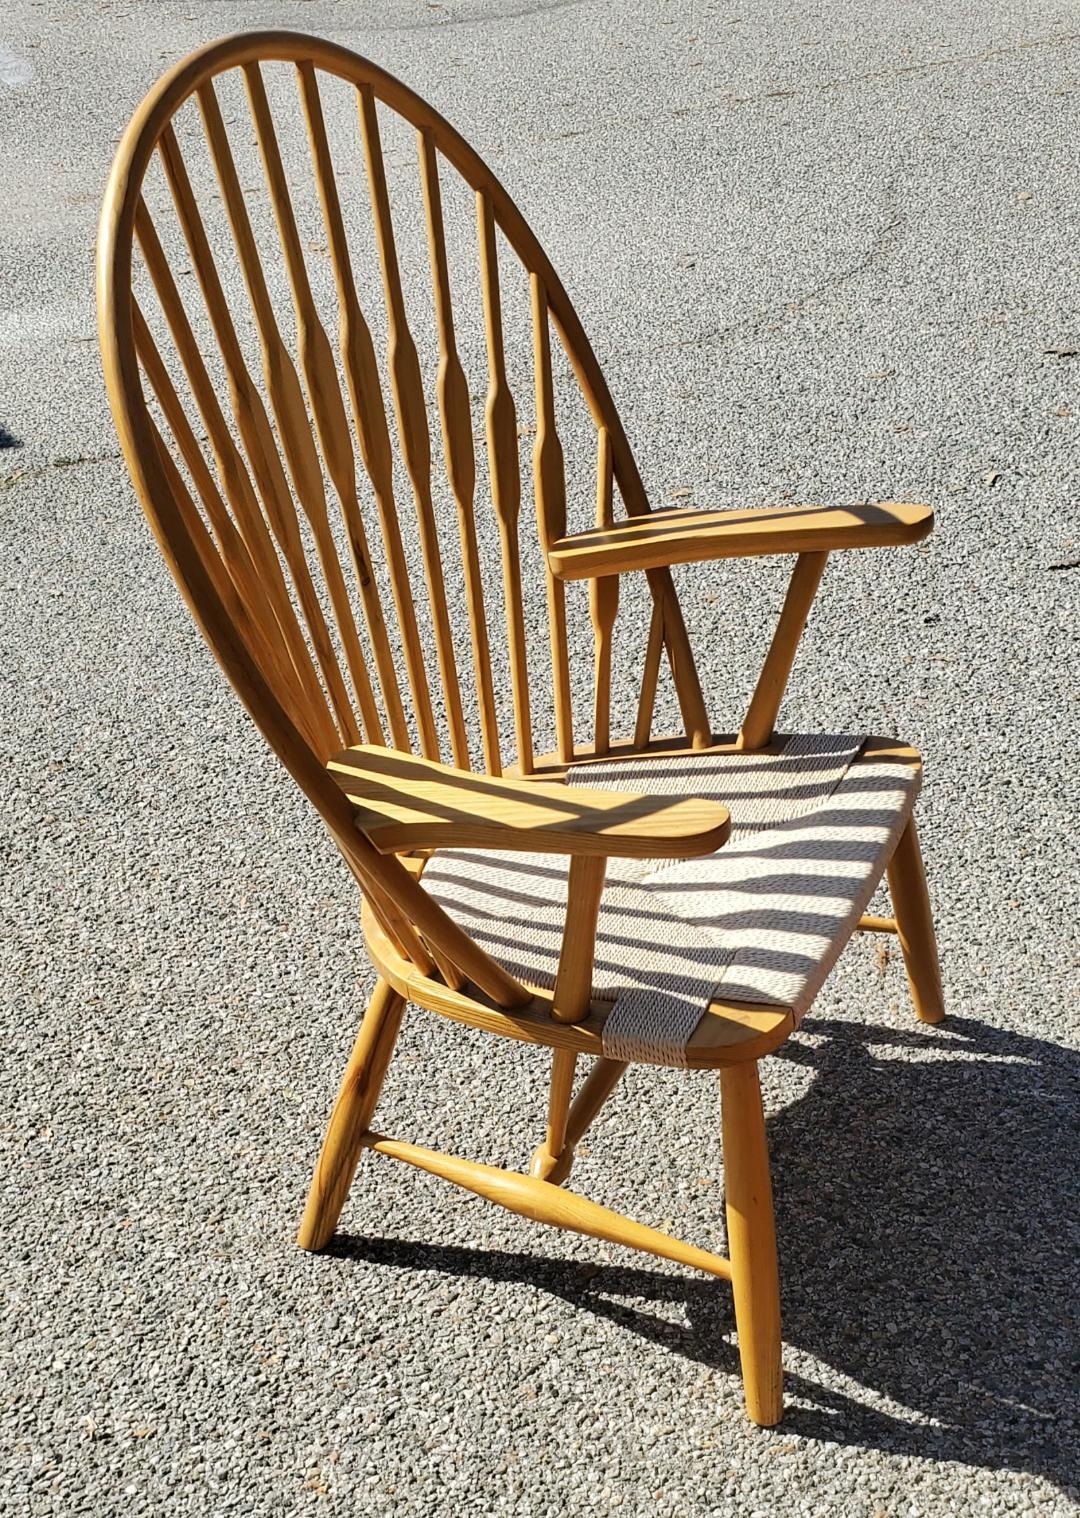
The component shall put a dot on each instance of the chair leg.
(351, 1117)
(752, 1242)
(915, 926)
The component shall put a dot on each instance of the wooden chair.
(314, 588)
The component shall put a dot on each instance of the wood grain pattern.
(761, 714)
(545, 1159)
(294, 428)
(351, 1117)
(689, 536)
(255, 431)
(549, 476)
(752, 1242)
(545, 1203)
(729, 1032)
(456, 416)
(311, 709)
(586, 1106)
(324, 392)
(573, 980)
(915, 926)
(650, 675)
(264, 633)
(603, 601)
(411, 411)
(369, 415)
(404, 802)
(502, 441)
(236, 520)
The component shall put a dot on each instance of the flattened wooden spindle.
(251, 631)
(204, 543)
(410, 408)
(650, 675)
(549, 477)
(257, 435)
(456, 416)
(369, 414)
(233, 473)
(505, 477)
(265, 638)
(764, 706)
(603, 602)
(287, 403)
(324, 390)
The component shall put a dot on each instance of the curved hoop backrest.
(247, 500)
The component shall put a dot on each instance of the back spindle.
(411, 411)
(501, 415)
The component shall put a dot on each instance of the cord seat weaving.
(763, 920)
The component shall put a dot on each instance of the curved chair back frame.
(235, 553)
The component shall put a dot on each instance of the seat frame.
(421, 957)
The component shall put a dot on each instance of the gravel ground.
(823, 252)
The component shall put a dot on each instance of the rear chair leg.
(351, 1117)
(752, 1241)
(915, 926)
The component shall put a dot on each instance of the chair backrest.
(234, 242)
(236, 406)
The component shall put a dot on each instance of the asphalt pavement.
(824, 253)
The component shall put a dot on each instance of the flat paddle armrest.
(404, 802)
(691, 536)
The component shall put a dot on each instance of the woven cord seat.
(762, 920)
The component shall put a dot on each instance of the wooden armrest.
(404, 802)
(690, 536)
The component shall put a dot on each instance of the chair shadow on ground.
(926, 1211)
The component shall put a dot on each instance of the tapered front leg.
(915, 926)
(752, 1242)
(352, 1114)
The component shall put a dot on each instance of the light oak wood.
(548, 1156)
(689, 536)
(456, 415)
(365, 394)
(597, 1087)
(263, 633)
(410, 408)
(256, 434)
(549, 473)
(404, 802)
(915, 926)
(237, 469)
(504, 465)
(650, 675)
(760, 719)
(351, 1117)
(573, 981)
(752, 1242)
(729, 1031)
(603, 600)
(286, 400)
(309, 707)
(324, 392)
(676, 745)
(544, 1203)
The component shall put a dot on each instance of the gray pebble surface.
(824, 253)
